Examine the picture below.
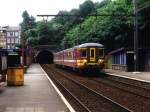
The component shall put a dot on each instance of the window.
(119, 59)
(8, 40)
(13, 46)
(83, 53)
(70, 54)
(16, 40)
(12, 40)
(11, 33)
(92, 53)
(8, 34)
(16, 34)
(8, 46)
(125, 59)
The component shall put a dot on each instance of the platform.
(141, 76)
(37, 95)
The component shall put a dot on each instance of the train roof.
(82, 46)
(69, 49)
(89, 45)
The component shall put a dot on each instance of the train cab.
(90, 55)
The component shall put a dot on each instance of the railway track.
(89, 100)
(134, 87)
(125, 86)
(79, 106)
(132, 97)
(131, 82)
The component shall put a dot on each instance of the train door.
(92, 55)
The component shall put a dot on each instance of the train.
(84, 57)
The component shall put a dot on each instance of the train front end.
(90, 56)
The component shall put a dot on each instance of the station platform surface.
(141, 76)
(37, 94)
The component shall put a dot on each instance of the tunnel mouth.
(45, 57)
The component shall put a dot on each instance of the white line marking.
(60, 94)
(142, 80)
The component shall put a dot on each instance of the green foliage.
(32, 37)
(108, 30)
(114, 30)
(141, 2)
(86, 8)
(44, 33)
(27, 24)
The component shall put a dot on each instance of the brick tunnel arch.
(44, 57)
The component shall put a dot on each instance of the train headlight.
(84, 61)
(100, 61)
(81, 62)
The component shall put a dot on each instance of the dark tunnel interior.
(45, 57)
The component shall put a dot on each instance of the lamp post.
(136, 52)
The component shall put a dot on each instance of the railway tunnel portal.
(43, 54)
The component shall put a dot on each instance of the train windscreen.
(83, 53)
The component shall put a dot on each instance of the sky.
(11, 10)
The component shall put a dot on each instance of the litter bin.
(15, 76)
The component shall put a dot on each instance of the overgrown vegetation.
(114, 29)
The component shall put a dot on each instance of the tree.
(67, 31)
(86, 8)
(45, 33)
(27, 24)
(112, 31)
(32, 35)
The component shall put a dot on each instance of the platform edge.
(59, 93)
(132, 78)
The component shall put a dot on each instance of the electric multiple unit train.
(82, 57)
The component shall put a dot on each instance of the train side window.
(83, 53)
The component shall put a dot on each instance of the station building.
(2, 40)
(123, 59)
(9, 37)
